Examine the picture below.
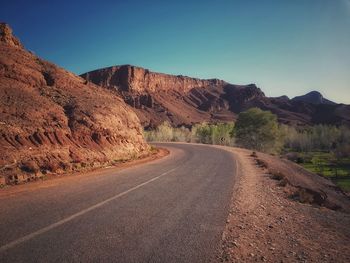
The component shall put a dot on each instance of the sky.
(285, 47)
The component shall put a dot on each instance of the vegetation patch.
(219, 134)
(327, 164)
(344, 184)
(321, 149)
(259, 130)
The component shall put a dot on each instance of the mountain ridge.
(158, 97)
(314, 97)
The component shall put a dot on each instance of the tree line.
(199, 133)
(259, 130)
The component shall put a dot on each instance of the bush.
(258, 130)
(213, 133)
(163, 133)
(181, 134)
(201, 133)
(221, 134)
(166, 133)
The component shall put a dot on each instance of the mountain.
(181, 100)
(314, 97)
(53, 121)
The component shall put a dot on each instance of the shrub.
(164, 132)
(221, 134)
(202, 133)
(181, 134)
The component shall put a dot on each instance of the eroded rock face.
(54, 121)
(139, 80)
(158, 97)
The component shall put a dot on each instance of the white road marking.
(82, 212)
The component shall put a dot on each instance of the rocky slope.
(158, 97)
(54, 121)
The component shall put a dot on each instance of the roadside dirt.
(266, 225)
(74, 177)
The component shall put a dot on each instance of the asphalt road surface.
(170, 210)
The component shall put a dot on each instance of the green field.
(344, 184)
(327, 165)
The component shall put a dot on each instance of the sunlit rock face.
(180, 100)
(54, 121)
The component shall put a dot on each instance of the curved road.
(170, 210)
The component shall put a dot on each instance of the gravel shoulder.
(266, 225)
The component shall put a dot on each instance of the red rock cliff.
(139, 80)
(54, 121)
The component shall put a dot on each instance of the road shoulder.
(264, 225)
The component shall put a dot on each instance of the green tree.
(258, 130)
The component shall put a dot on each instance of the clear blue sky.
(284, 46)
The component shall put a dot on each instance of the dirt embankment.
(282, 213)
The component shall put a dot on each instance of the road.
(170, 210)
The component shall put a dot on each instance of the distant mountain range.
(314, 97)
(181, 100)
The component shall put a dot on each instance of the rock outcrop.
(7, 37)
(158, 97)
(139, 80)
(52, 121)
